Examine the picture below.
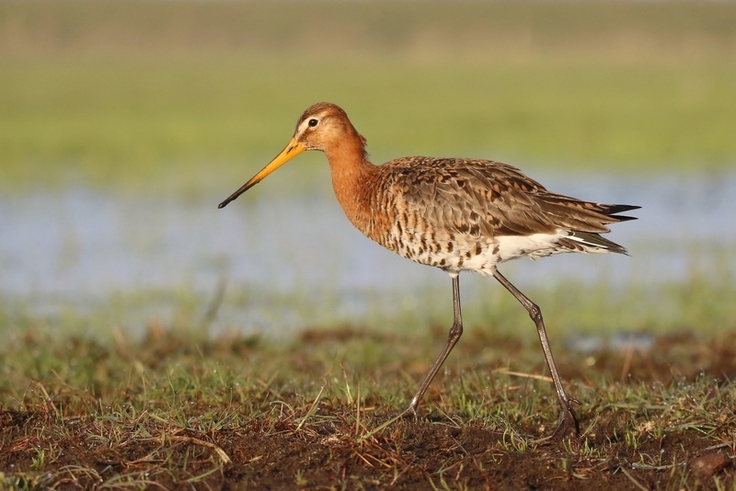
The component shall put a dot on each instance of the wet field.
(79, 246)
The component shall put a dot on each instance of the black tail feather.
(623, 218)
(611, 211)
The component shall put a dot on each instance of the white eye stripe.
(308, 124)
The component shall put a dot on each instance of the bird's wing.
(486, 199)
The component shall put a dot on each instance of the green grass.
(178, 405)
(139, 121)
(158, 95)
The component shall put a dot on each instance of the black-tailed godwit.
(455, 214)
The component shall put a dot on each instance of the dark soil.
(271, 451)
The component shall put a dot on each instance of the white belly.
(481, 255)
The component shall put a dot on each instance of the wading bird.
(455, 214)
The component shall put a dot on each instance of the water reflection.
(81, 243)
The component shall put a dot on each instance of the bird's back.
(464, 214)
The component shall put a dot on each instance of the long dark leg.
(567, 414)
(455, 332)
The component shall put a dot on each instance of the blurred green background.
(193, 94)
(123, 124)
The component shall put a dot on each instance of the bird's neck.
(353, 178)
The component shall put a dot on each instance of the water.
(82, 244)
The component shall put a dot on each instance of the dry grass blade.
(312, 409)
(532, 376)
(196, 441)
(633, 480)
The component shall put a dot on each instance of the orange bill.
(293, 149)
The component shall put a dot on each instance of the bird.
(456, 214)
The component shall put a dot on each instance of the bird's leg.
(455, 332)
(567, 416)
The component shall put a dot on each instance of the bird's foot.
(409, 413)
(566, 421)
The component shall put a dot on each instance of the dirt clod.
(709, 464)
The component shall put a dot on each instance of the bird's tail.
(592, 242)
(613, 210)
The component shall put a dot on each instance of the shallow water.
(80, 244)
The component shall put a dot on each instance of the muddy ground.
(622, 445)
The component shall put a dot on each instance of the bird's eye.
(313, 122)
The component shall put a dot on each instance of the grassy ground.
(180, 407)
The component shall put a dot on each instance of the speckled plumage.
(468, 215)
(452, 213)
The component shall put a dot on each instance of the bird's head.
(323, 126)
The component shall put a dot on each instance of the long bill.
(293, 149)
